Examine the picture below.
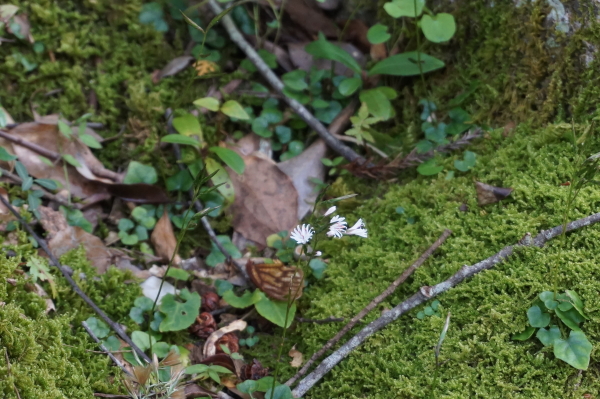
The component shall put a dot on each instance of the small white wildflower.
(330, 211)
(338, 219)
(318, 253)
(302, 234)
(337, 230)
(357, 230)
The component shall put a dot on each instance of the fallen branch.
(330, 319)
(387, 292)
(115, 326)
(112, 357)
(427, 292)
(236, 37)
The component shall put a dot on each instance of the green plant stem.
(435, 379)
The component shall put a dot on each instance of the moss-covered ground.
(99, 47)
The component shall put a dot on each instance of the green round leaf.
(179, 314)
(439, 28)
(140, 173)
(377, 103)
(404, 8)
(178, 274)
(144, 303)
(295, 80)
(247, 299)
(428, 311)
(142, 340)
(377, 34)
(231, 158)
(210, 103)
(233, 109)
(137, 315)
(260, 126)
(280, 392)
(406, 64)
(275, 311)
(161, 349)
(548, 337)
(98, 327)
(548, 298)
(318, 268)
(125, 225)
(112, 343)
(349, 86)
(576, 350)
(537, 318)
(284, 134)
(327, 115)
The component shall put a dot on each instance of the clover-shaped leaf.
(179, 315)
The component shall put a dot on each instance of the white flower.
(302, 234)
(330, 211)
(338, 219)
(318, 253)
(357, 230)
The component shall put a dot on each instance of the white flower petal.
(357, 230)
(302, 234)
(330, 211)
(338, 219)
(337, 230)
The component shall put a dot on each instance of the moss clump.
(486, 310)
(49, 354)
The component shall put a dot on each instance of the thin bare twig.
(236, 37)
(46, 194)
(51, 155)
(387, 292)
(42, 243)
(101, 345)
(427, 292)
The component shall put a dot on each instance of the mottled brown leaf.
(163, 239)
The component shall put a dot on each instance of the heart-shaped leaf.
(548, 337)
(179, 315)
(537, 318)
(548, 298)
(377, 34)
(575, 350)
(439, 28)
(406, 64)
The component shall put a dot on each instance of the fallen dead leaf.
(210, 348)
(175, 66)
(487, 194)
(163, 239)
(266, 201)
(303, 169)
(308, 17)
(296, 357)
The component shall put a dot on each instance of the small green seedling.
(431, 310)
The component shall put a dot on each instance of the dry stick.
(330, 319)
(47, 194)
(53, 156)
(388, 291)
(427, 292)
(112, 357)
(240, 41)
(78, 291)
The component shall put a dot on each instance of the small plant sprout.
(436, 353)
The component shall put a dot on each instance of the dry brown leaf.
(296, 357)
(44, 295)
(175, 66)
(487, 194)
(308, 17)
(210, 348)
(266, 201)
(62, 238)
(163, 239)
(304, 168)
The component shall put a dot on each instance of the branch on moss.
(427, 292)
(112, 357)
(236, 36)
(388, 291)
(115, 326)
